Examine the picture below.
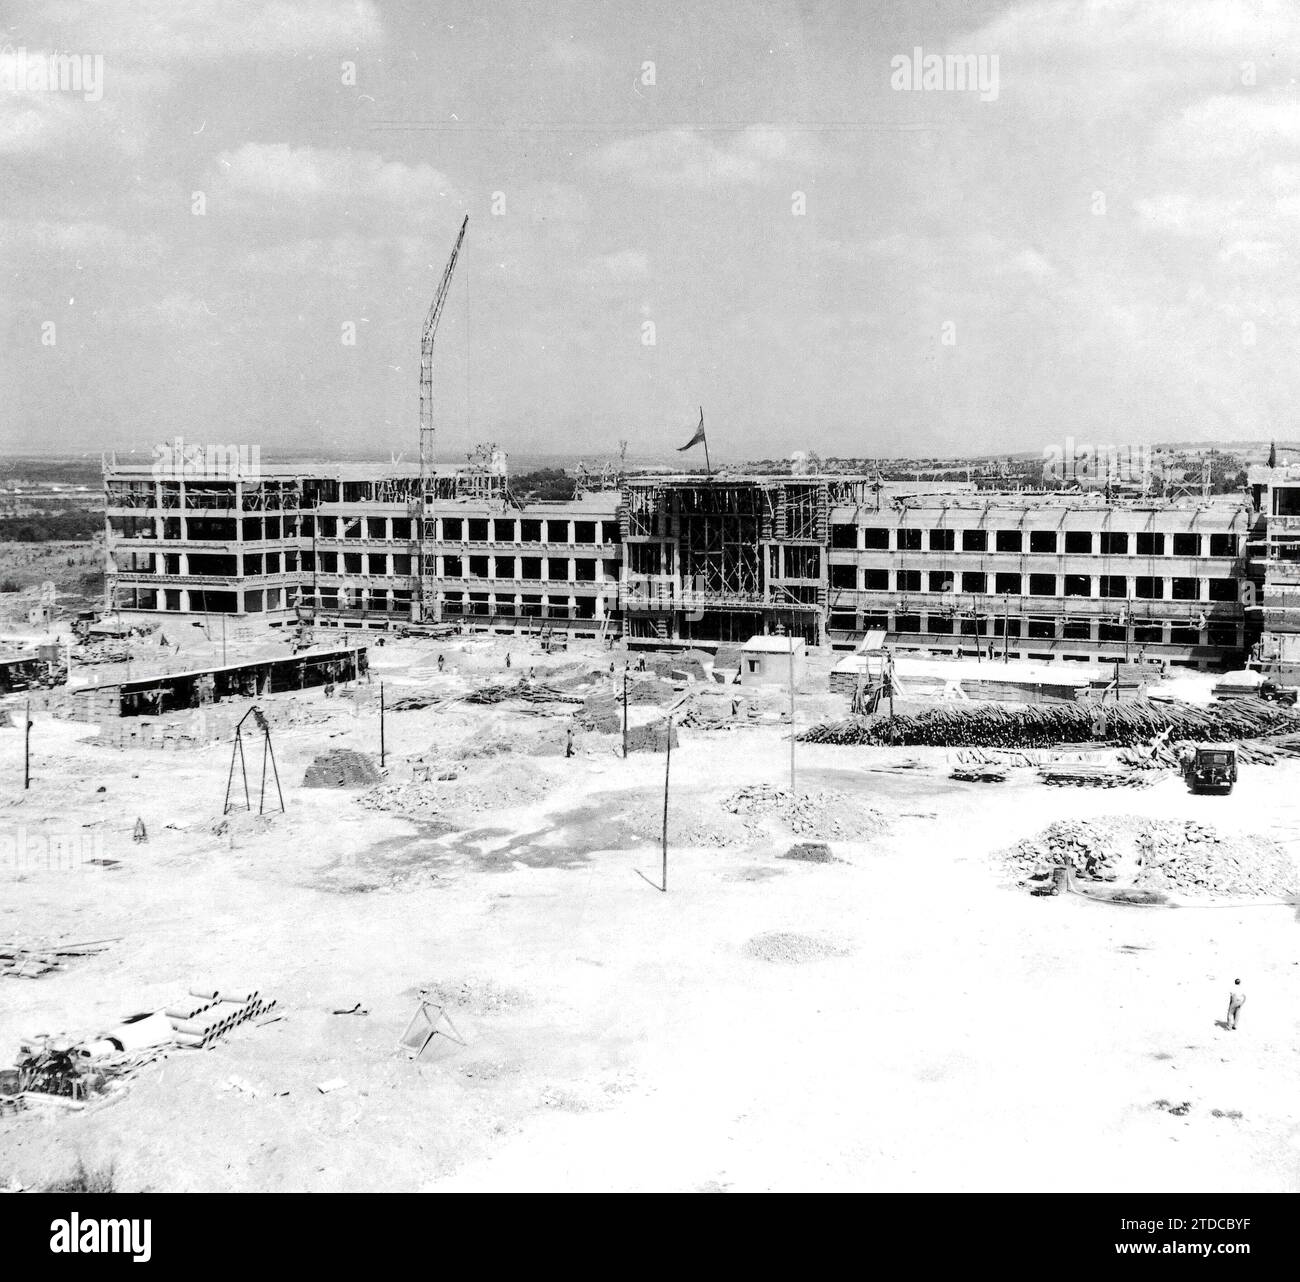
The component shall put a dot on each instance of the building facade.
(699, 559)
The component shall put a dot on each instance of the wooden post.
(223, 640)
(624, 714)
(668, 761)
(27, 746)
(381, 725)
(1006, 624)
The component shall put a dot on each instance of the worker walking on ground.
(1236, 1000)
(507, 658)
(568, 742)
(441, 661)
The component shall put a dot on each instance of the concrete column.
(184, 598)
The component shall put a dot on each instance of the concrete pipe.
(187, 1010)
(210, 993)
(153, 1030)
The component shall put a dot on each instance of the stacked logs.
(1045, 725)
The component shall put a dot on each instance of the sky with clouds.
(1105, 249)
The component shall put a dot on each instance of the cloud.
(278, 172)
(205, 30)
(688, 158)
(91, 243)
(621, 268)
(1092, 29)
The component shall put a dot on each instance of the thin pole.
(223, 640)
(261, 796)
(625, 713)
(243, 769)
(668, 760)
(27, 746)
(381, 725)
(275, 770)
(1006, 616)
(792, 715)
(230, 778)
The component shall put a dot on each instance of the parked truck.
(1211, 770)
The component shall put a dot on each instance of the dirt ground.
(901, 1018)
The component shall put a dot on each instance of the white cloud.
(621, 268)
(689, 158)
(212, 29)
(278, 172)
(1090, 29)
(87, 243)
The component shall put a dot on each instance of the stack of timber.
(1122, 725)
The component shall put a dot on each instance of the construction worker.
(568, 742)
(507, 658)
(1236, 1000)
(441, 661)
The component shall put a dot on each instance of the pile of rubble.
(509, 785)
(1156, 854)
(824, 815)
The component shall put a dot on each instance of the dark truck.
(1274, 693)
(1211, 770)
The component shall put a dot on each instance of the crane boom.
(426, 596)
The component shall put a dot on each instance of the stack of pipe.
(207, 1015)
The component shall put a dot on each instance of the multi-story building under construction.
(701, 559)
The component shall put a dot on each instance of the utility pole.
(1006, 616)
(27, 746)
(624, 714)
(223, 640)
(792, 716)
(381, 725)
(668, 761)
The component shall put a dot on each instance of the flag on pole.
(697, 439)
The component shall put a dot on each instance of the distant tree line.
(50, 527)
(546, 485)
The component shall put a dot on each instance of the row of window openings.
(1036, 629)
(1108, 585)
(454, 529)
(876, 538)
(455, 567)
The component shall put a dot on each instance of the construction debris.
(979, 774)
(528, 691)
(75, 1072)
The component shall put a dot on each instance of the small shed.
(766, 661)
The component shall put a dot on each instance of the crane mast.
(426, 598)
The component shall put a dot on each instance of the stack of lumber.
(995, 726)
(1085, 775)
(19, 962)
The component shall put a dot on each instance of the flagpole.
(708, 467)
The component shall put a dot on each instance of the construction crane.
(427, 598)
